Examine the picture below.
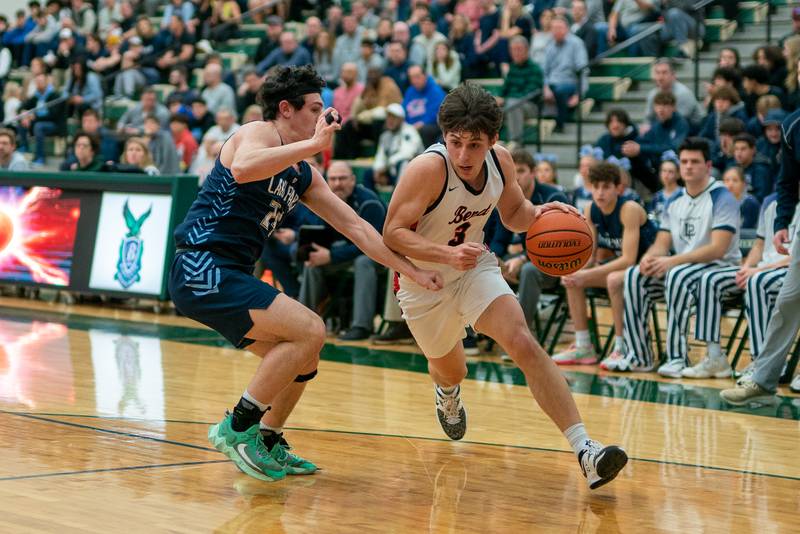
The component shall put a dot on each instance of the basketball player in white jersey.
(436, 219)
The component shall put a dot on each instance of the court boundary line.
(111, 469)
(37, 416)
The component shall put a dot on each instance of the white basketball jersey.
(460, 212)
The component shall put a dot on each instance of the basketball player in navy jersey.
(259, 176)
(436, 218)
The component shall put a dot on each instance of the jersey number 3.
(458, 237)
(272, 219)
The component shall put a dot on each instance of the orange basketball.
(559, 243)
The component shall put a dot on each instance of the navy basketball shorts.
(218, 292)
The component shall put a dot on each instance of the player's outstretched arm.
(257, 153)
(418, 188)
(517, 212)
(321, 200)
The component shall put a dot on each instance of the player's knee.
(521, 342)
(454, 375)
(614, 280)
(313, 333)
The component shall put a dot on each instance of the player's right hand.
(323, 133)
(779, 240)
(465, 256)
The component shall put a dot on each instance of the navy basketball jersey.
(235, 220)
(609, 229)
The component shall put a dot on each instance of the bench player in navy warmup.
(257, 179)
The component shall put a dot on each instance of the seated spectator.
(792, 100)
(683, 25)
(14, 36)
(108, 12)
(669, 176)
(132, 121)
(368, 113)
(161, 146)
(130, 81)
(588, 158)
(722, 77)
(252, 113)
(82, 89)
(515, 20)
(217, 95)
(755, 81)
(414, 51)
(463, 42)
(622, 234)
(421, 103)
(200, 120)
(183, 139)
(313, 31)
(619, 130)
(224, 23)
(524, 78)
(428, 37)
(665, 80)
(271, 39)
(39, 40)
(771, 58)
(672, 268)
(769, 144)
(566, 56)
(136, 158)
(85, 17)
(368, 59)
(184, 9)
(85, 147)
(343, 255)
(542, 37)
(12, 102)
(547, 170)
(583, 26)
(348, 44)
(247, 91)
(10, 159)
(397, 65)
(109, 144)
(348, 90)
(627, 18)
(174, 45)
(67, 51)
(178, 78)
(726, 104)
(722, 151)
(666, 133)
(754, 166)
(488, 51)
(287, 54)
(47, 117)
(213, 139)
(398, 144)
(749, 206)
(755, 126)
(322, 57)
(795, 25)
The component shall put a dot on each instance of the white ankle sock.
(249, 398)
(714, 351)
(447, 390)
(619, 344)
(582, 339)
(577, 436)
(264, 426)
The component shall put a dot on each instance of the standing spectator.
(368, 59)
(10, 159)
(85, 147)
(183, 139)
(524, 77)
(421, 104)
(398, 144)
(132, 121)
(726, 104)
(445, 66)
(414, 51)
(368, 113)
(343, 255)
(323, 57)
(665, 80)
(136, 156)
(755, 167)
(344, 96)
(161, 146)
(348, 44)
(287, 54)
(48, 116)
(583, 27)
(755, 80)
(563, 75)
(270, 40)
(397, 65)
(749, 206)
(217, 95)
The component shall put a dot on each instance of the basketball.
(559, 243)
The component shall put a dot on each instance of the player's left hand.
(743, 275)
(660, 265)
(318, 256)
(431, 280)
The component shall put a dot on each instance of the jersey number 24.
(272, 219)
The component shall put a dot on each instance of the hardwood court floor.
(103, 416)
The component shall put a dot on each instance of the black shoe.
(396, 333)
(356, 333)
